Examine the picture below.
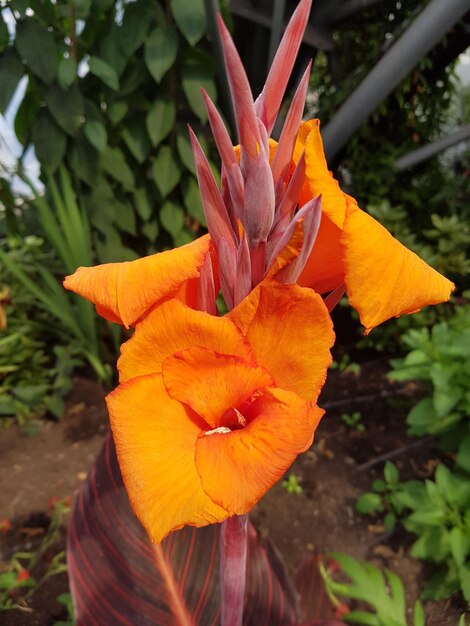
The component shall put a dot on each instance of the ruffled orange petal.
(212, 383)
(383, 278)
(238, 467)
(124, 292)
(290, 332)
(173, 327)
(155, 443)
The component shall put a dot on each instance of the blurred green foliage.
(109, 88)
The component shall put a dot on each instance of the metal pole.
(349, 8)
(428, 151)
(276, 28)
(426, 30)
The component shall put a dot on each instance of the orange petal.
(173, 327)
(383, 278)
(324, 268)
(124, 292)
(290, 332)
(212, 383)
(155, 443)
(238, 467)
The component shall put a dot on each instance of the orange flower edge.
(383, 278)
(213, 420)
(125, 292)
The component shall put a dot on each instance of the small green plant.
(66, 600)
(345, 364)
(353, 420)
(440, 358)
(291, 484)
(438, 513)
(17, 584)
(381, 498)
(384, 593)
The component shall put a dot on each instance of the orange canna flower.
(382, 277)
(211, 411)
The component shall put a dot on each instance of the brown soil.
(320, 519)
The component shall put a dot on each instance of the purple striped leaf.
(118, 577)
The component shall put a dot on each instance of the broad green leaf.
(49, 142)
(422, 417)
(419, 619)
(172, 218)
(432, 544)
(136, 138)
(82, 8)
(151, 230)
(135, 25)
(192, 200)
(96, 134)
(4, 34)
(26, 115)
(67, 72)
(197, 72)
(11, 72)
(391, 473)
(102, 6)
(160, 119)
(190, 17)
(136, 74)
(84, 159)
(459, 545)
(115, 164)
(125, 217)
(183, 145)
(105, 72)
(369, 503)
(184, 237)
(35, 43)
(161, 49)
(66, 107)
(111, 52)
(113, 250)
(143, 203)
(166, 170)
(463, 454)
(117, 111)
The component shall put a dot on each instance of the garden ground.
(52, 464)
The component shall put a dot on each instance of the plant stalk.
(233, 547)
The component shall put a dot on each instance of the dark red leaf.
(118, 577)
(314, 602)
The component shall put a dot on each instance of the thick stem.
(233, 546)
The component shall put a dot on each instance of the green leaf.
(197, 72)
(166, 170)
(110, 50)
(67, 72)
(115, 164)
(390, 521)
(117, 111)
(160, 119)
(11, 72)
(143, 203)
(151, 230)
(66, 107)
(125, 217)
(419, 619)
(96, 134)
(135, 25)
(463, 454)
(369, 503)
(378, 485)
(161, 49)
(391, 473)
(136, 138)
(105, 72)
(432, 545)
(422, 417)
(172, 218)
(4, 34)
(190, 17)
(135, 75)
(26, 115)
(35, 43)
(183, 145)
(49, 141)
(192, 200)
(459, 545)
(84, 159)
(82, 8)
